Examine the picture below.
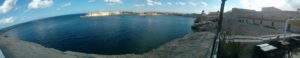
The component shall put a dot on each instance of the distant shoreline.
(99, 14)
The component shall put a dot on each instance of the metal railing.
(216, 41)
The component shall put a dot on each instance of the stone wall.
(234, 27)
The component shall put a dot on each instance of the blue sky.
(18, 11)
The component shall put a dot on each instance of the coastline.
(192, 45)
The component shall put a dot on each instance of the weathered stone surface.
(205, 23)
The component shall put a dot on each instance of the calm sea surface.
(119, 34)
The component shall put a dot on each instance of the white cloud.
(113, 1)
(177, 3)
(181, 3)
(7, 6)
(7, 20)
(258, 4)
(35, 4)
(169, 3)
(295, 4)
(67, 4)
(156, 3)
(139, 5)
(91, 0)
(203, 4)
(64, 5)
(151, 3)
(247, 4)
(193, 3)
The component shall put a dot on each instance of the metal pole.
(215, 44)
(286, 26)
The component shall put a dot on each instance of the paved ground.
(296, 53)
(260, 38)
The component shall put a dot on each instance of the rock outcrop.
(205, 23)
